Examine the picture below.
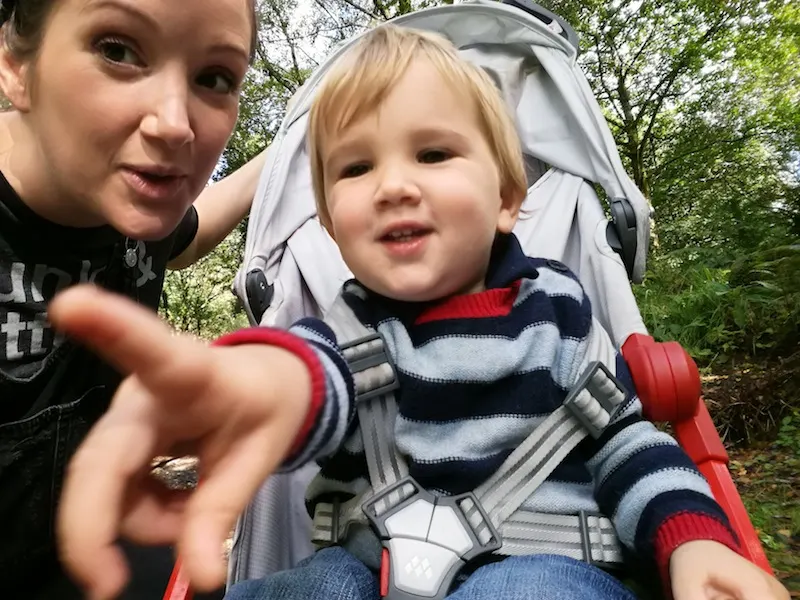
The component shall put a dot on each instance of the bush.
(749, 311)
(750, 402)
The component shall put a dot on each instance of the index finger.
(89, 516)
(126, 334)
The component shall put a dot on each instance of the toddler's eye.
(434, 156)
(356, 170)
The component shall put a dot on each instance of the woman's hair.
(364, 76)
(24, 23)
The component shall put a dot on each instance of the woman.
(120, 111)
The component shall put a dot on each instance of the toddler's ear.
(326, 225)
(510, 204)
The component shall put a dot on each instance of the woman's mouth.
(152, 184)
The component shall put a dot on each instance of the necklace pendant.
(130, 257)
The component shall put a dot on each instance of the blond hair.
(364, 76)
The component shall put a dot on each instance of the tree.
(701, 98)
(198, 300)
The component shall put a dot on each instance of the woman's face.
(129, 105)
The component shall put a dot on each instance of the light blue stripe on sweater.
(482, 359)
(467, 439)
(626, 444)
(559, 497)
(633, 502)
(553, 284)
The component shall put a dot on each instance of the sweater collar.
(507, 265)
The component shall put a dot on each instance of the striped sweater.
(477, 374)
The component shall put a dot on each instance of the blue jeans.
(333, 573)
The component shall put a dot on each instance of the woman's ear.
(14, 79)
(510, 204)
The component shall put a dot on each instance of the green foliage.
(768, 479)
(701, 97)
(199, 299)
(752, 310)
(789, 433)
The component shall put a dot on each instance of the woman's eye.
(433, 156)
(115, 51)
(354, 170)
(217, 82)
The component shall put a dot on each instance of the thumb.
(127, 335)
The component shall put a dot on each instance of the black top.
(37, 259)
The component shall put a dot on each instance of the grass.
(756, 408)
(768, 479)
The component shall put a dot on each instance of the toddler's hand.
(237, 408)
(705, 570)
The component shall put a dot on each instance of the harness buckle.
(365, 354)
(587, 542)
(596, 399)
(426, 539)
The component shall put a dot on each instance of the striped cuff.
(298, 347)
(687, 527)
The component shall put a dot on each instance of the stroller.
(292, 268)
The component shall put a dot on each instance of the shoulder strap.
(375, 382)
(588, 409)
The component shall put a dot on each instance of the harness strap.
(525, 532)
(589, 407)
(375, 381)
(586, 536)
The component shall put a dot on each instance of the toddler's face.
(413, 192)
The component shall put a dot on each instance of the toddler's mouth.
(404, 235)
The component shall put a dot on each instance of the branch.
(601, 70)
(381, 8)
(285, 29)
(660, 91)
(616, 123)
(310, 58)
(336, 20)
(626, 69)
(622, 90)
(273, 71)
(362, 9)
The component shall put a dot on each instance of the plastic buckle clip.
(586, 542)
(426, 539)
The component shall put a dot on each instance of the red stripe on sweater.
(496, 302)
(687, 527)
